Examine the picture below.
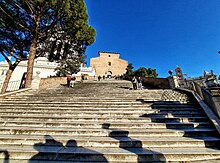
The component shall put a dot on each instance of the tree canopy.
(70, 46)
(129, 70)
(142, 72)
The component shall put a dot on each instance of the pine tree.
(14, 40)
(143, 72)
(77, 37)
(41, 19)
(129, 70)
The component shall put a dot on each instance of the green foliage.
(73, 34)
(142, 72)
(129, 70)
(75, 23)
(70, 66)
(78, 35)
(41, 20)
(14, 39)
(152, 73)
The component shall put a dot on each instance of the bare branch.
(6, 13)
(31, 9)
(15, 20)
(6, 58)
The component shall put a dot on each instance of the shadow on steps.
(186, 117)
(53, 150)
(134, 146)
(6, 155)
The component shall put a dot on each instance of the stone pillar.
(36, 81)
(173, 80)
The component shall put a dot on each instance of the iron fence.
(12, 86)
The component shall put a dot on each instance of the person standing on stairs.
(72, 81)
(139, 83)
(69, 78)
(134, 82)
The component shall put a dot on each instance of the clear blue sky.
(159, 34)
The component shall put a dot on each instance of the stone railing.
(158, 83)
(212, 100)
(161, 83)
(52, 82)
(211, 96)
(214, 118)
(37, 83)
(198, 89)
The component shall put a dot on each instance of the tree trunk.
(9, 74)
(32, 54)
(30, 65)
(7, 79)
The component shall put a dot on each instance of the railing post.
(36, 81)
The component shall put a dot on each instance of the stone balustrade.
(52, 82)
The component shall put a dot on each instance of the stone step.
(123, 142)
(98, 108)
(107, 132)
(83, 92)
(101, 114)
(105, 123)
(104, 119)
(72, 104)
(90, 124)
(167, 114)
(95, 154)
(117, 95)
(94, 93)
(16, 100)
(173, 106)
(147, 112)
(43, 161)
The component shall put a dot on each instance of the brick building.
(109, 64)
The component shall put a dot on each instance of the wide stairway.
(105, 122)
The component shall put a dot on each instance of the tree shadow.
(6, 155)
(133, 145)
(53, 150)
(191, 122)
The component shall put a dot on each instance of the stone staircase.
(105, 122)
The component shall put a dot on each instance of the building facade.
(108, 64)
(41, 64)
(87, 72)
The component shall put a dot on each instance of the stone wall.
(157, 83)
(109, 64)
(161, 83)
(52, 82)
